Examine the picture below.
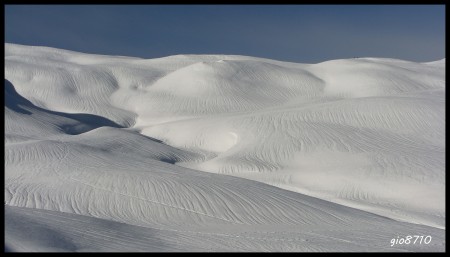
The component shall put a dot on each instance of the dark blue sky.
(299, 33)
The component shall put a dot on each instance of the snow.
(221, 153)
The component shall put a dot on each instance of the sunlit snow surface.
(221, 153)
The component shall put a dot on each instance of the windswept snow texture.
(221, 153)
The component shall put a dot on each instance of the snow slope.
(221, 153)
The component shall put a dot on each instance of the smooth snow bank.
(134, 141)
(437, 63)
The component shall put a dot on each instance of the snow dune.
(221, 153)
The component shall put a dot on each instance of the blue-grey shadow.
(15, 102)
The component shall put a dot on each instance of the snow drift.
(221, 153)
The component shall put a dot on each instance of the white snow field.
(222, 153)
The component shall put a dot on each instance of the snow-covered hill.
(221, 153)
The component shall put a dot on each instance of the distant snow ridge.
(106, 153)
